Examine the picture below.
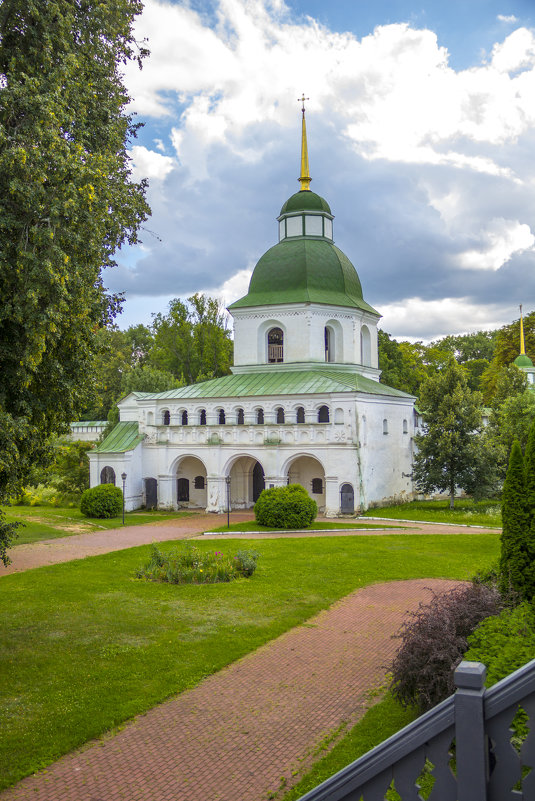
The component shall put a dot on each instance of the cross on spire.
(302, 100)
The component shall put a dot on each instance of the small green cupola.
(522, 361)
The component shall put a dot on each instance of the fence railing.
(477, 745)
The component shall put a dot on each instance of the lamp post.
(227, 482)
(123, 476)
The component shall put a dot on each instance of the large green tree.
(450, 452)
(66, 204)
(192, 340)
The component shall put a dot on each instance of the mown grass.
(380, 722)
(84, 645)
(251, 525)
(466, 512)
(49, 522)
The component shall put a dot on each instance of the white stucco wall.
(303, 326)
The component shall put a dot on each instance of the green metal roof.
(305, 200)
(314, 381)
(124, 437)
(304, 270)
(523, 361)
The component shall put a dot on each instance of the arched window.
(184, 418)
(405, 427)
(275, 346)
(338, 416)
(221, 417)
(300, 416)
(365, 346)
(260, 417)
(317, 486)
(150, 418)
(107, 475)
(198, 482)
(385, 426)
(280, 415)
(329, 344)
(166, 417)
(202, 417)
(323, 414)
(240, 418)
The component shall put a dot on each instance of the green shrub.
(504, 643)
(105, 500)
(189, 565)
(285, 507)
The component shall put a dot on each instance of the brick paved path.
(234, 736)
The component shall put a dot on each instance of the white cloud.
(149, 164)
(515, 53)
(235, 288)
(415, 156)
(499, 241)
(392, 92)
(416, 317)
(503, 18)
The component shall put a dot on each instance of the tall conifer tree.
(514, 557)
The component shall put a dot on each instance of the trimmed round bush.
(285, 507)
(105, 500)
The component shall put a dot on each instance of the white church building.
(303, 403)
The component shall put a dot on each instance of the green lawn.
(84, 645)
(48, 522)
(251, 525)
(466, 511)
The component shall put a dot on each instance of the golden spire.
(305, 178)
(522, 346)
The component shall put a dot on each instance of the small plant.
(285, 507)
(189, 565)
(434, 640)
(104, 501)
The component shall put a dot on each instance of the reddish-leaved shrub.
(433, 641)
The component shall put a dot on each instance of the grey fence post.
(471, 749)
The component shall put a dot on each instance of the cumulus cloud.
(149, 164)
(429, 170)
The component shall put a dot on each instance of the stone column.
(216, 496)
(166, 493)
(311, 415)
(332, 500)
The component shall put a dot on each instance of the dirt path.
(249, 728)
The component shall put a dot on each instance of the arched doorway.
(347, 499)
(246, 482)
(308, 471)
(107, 475)
(259, 483)
(191, 483)
(151, 493)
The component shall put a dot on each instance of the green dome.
(305, 200)
(523, 361)
(304, 271)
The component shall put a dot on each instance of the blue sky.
(421, 124)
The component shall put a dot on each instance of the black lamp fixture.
(123, 476)
(227, 482)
